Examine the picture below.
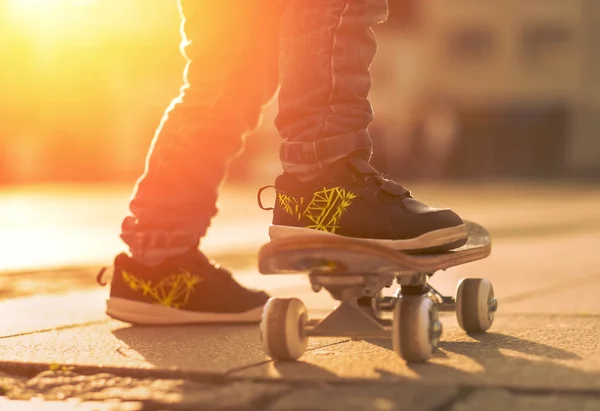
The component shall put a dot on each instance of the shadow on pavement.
(490, 358)
(214, 348)
(202, 348)
(499, 359)
(303, 370)
(495, 341)
(505, 360)
(218, 348)
(488, 343)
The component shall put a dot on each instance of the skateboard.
(354, 272)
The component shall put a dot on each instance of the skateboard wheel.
(416, 328)
(475, 304)
(282, 328)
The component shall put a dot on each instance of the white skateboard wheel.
(475, 304)
(416, 328)
(282, 328)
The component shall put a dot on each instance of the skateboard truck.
(418, 287)
(352, 318)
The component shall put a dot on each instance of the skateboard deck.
(331, 254)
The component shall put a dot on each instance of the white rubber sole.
(136, 312)
(428, 240)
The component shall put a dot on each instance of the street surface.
(56, 344)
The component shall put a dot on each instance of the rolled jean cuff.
(153, 247)
(298, 157)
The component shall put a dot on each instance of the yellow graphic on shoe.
(173, 291)
(290, 205)
(324, 210)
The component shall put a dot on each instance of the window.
(545, 41)
(470, 46)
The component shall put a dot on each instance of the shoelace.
(365, 174)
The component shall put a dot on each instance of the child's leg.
(231, 72)
(327, 49)
(328, 184)
(231, 49)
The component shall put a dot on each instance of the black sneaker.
(353, 199)
(187, 289)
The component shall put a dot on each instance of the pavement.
(59, 351)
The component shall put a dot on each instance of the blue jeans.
(238, 52)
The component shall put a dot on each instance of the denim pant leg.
(231, 48)
(327, 47)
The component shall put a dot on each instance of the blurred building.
(468, 88)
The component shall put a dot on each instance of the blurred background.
(463, 90)
(472, 89)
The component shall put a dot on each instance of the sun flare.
(48, 20)
(46, 5)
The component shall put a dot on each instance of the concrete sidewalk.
(73, 225)
(543, 352)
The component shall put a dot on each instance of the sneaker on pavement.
(187, 289)
(353, 199)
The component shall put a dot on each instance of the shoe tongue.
(361, 166)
